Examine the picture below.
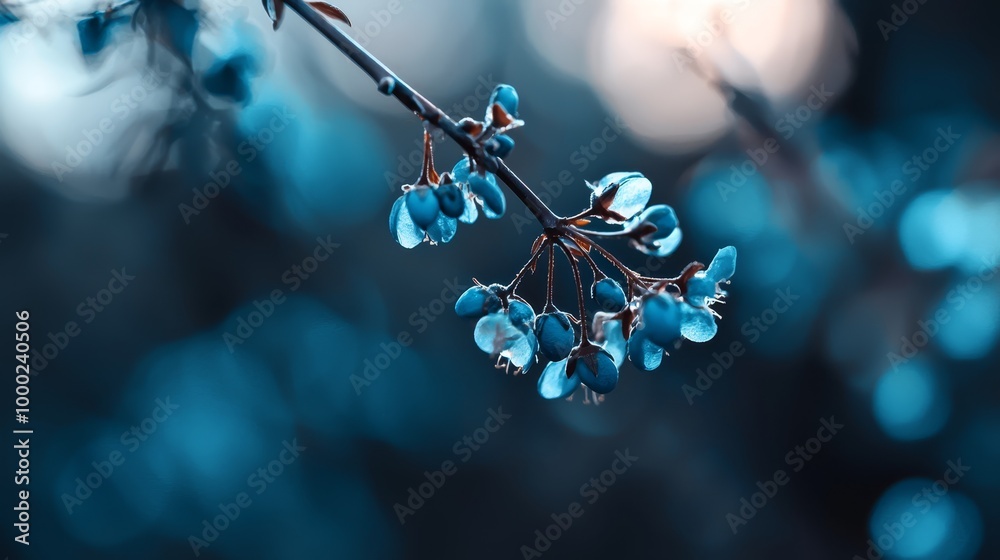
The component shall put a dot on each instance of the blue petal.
(521, 351)
(667, 236)
(666, 247)
(521, 315)
(507, 97)
(631, 197)
(553, 383)
(494, 333)
(614, 341)
(402, 227)
(461, 170)
(698, 324)
(443, 229)
(643, 353)
(723, 265)
(471, 213)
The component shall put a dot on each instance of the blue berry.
(609, 295)
(661, 319)
(485, 187)
(521, 314)
(656, 227)
(477, 301)
(401, 225)
(423, 206)
(643, 353)
(556, 336)
(450, 199)
(554, 383)
(596, 369)
(507, 97)
(500, 146)
(631, 194)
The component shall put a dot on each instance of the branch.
(390, 84)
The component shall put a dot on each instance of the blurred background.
(232, 358)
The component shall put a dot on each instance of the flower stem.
(390, 84)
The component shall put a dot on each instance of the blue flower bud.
(507, 97)
(554, 384)
(423, 206)
(556, 336)
(596, 369)
(661, 319)
(609, 295)
(450, 199)
(477, 301)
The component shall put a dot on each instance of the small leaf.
(331, 12)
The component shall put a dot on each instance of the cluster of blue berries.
(431, 208)
(638, 329)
